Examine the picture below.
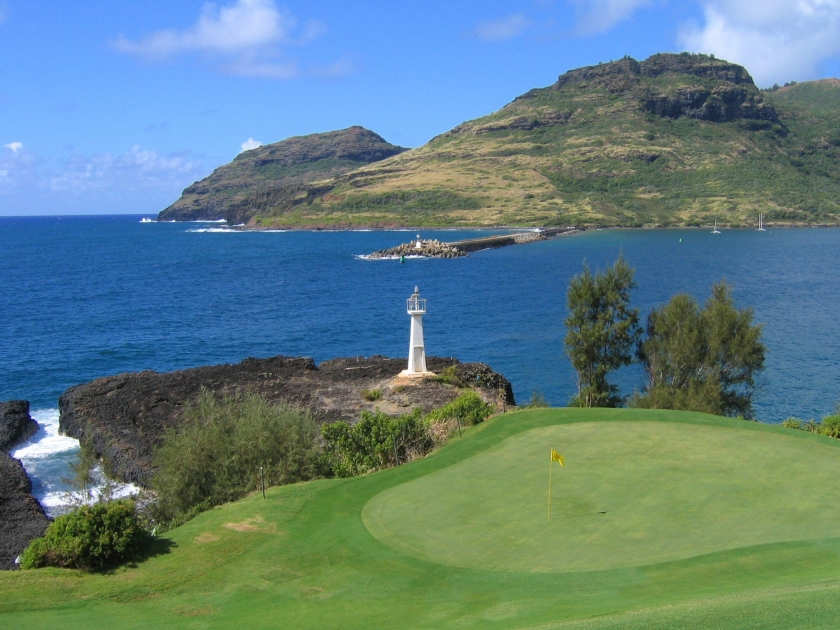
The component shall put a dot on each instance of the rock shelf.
(434, 248)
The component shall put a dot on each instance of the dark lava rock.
(21, 516)
(16, 425)
(123, 417)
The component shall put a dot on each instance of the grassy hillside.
(672, 140)
(238, 190)
(660, 520)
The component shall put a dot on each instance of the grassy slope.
(304, 559)
(610, 163)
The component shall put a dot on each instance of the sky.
(115, 106)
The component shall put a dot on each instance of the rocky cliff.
(21, 516)
(238, 190)
(16, 425)
(122, 418)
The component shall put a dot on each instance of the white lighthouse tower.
(416, 307)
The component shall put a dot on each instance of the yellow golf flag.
(557, 457)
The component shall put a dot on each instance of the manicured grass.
(750, 544)
(632, 493)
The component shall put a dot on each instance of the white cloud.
(249, 36)
(14, 146)
(598, 16)
(505, 28)
(137, 169)
(249, 144)
(243, 26)
(776, 40)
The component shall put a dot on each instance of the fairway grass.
(709, 523)
(632, 493)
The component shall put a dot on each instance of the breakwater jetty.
(434, 248)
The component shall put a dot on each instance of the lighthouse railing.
(416, 304)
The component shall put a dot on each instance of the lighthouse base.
(407, 374)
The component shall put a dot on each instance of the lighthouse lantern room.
(416, 307)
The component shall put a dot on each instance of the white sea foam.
(46, 442)
(215, 230)
(368, 257)
(56, 502)
(232, 229)
(46, 456)
(147, 220)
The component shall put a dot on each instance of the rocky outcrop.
(16, 425)
(270, 174)
(432, 248)
(694, 86)
(21, 516)
(122, 418)
(720, 104)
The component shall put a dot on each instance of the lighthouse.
(416, 307)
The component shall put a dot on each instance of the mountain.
(233, 191)
(676, 139)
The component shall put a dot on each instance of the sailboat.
(716, 231)
(761, 223)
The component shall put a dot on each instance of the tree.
(702, 359)
(602, 331)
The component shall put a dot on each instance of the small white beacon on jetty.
(416, 307)
(419, 243)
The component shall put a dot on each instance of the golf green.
(707, 522)
(631, 493)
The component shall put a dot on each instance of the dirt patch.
(255, 524)
(206, 537)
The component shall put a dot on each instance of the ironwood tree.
(702, 359)
(601, 331)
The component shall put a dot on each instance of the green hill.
(676, 139)
(659, 520)
(234, 191)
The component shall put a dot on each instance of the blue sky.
(115, 106)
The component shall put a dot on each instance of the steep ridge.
(676, 139)
(239, 189)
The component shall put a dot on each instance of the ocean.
(84, 297)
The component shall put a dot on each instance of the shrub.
(468, 409)
(830, 426)
(91, 537)
(371, 394)
(376, 441)
(216, 454)
(537, 401)
(449, 376)
(793, 423)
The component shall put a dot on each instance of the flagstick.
(550, 461)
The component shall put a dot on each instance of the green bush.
(793, 423)
(91, 537)
(468, 409)
(376, 441)
(537, 401)
(830, 426)
(371, 394)
(216, 453)
(449, 376)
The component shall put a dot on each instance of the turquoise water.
(84, 297)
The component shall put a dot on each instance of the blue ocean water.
(83, 297)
